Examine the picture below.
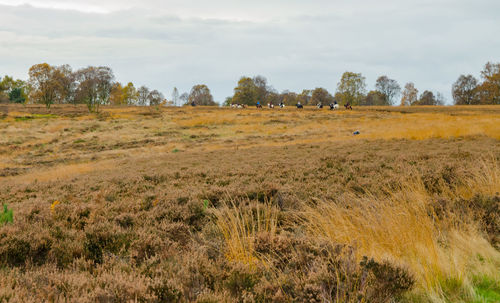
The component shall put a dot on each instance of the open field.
(221, 205)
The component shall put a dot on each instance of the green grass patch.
(35, 116)
(487, 291)
(7, 216)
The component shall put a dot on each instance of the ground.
(209, 204)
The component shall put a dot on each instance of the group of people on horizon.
(333, 106)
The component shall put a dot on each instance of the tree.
(410, 95)
(155, 98)
(389, 88)
(320, 95)
(47, 84)
(200, 95)
(142, 95)
(427, 98)
(184, 98)
(489, 90)
(464, 91)
(175, 96)
(375, 97)
(246, 92)
(94, 86)
(351, 88)
(261, 87)
(130, 94)
(289, 98)
(305, 96)
(13, 90)
(116, 95)
(16, 95)
(67, 79)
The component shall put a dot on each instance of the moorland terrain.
(145, 204)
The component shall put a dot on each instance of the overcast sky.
(295, 44)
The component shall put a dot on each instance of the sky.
(295, 44)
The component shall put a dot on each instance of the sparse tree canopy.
(304, 97)
(175, 96)
(155, 98)
(465, 91)
(142, 95)
(351, 88)
(410, 95)
(94, 86)
(389, 88)
(200, 95)
(130, 94)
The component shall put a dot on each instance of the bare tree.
(410, 95)
(184, 98)
(389, 88)
(175, 96)
(142, 95)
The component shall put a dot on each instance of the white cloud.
(295, 44)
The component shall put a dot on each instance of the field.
(244, 205)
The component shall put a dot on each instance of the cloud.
(295, 44)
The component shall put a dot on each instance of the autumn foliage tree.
(320, 96)
(47, 84)
(351, 88)
(465, 90)
(409, 95)
(94, 86)
(246, 92)
(200, 95)
(489, 90)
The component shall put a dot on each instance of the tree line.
(96, 86)
(93, 86)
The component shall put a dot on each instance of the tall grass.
(444, 254)
(240, 226)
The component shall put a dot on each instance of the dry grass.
(399, 228)
(296, 202)
(240, 228)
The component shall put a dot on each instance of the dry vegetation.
(221, 205)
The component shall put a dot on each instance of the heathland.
(200, 204)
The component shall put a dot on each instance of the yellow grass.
(399, 229)
(239, 227)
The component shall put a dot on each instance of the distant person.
(193, 104)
